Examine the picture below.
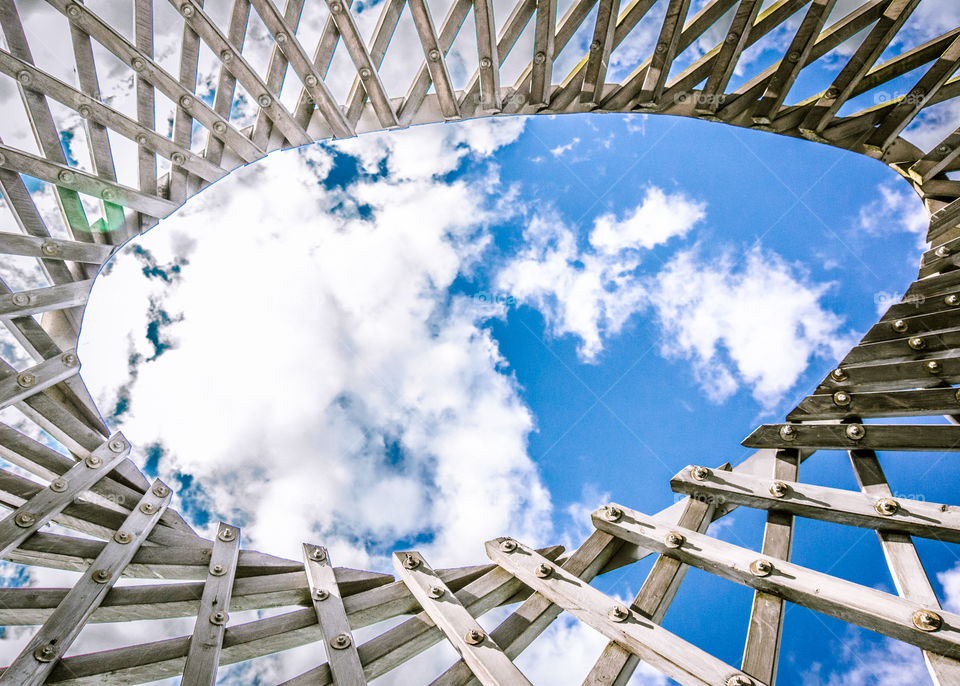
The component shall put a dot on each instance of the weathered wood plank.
(664, 52)
(932, 401)
(488, 55)
(856, 436)
(37, 378)
(599, 54)
(435, 58)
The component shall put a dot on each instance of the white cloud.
(891, 662)
(757, 324)
(658, 218)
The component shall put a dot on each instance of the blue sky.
(441, 335)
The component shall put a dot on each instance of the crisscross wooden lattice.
(905, 366)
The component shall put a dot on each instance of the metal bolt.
(539, 58)
(788, 432)
(84, 111)
(102, 576)
(778, 489)
(855, 432)
(365, 73)
(186, 101)
(699, 473)
(226, 56)
(543, 570)
(838, 374)
(612, 513)
(674, 540)
(310, 80)
(281, 37)
(435, 592)
(841, 398)
(264, 100)
(618, 613)
(943, 149)
(732, 37)
(122, 537)
(187, 9)
(886, 506)
(218, 570)
(93, 461)
(45, 653)
(934, 367)
(761, 567)
(410, 561)
(58, 485)
(595, 46)
(739, 680)
(927, 620)
(117, 445)
(661, 48)
(219, 618)
(321, 594)
(336, 8)
(474, 637)
(73, 11)
(141, 139)
(65, 176)
(24, 520)
(917, 343)
(108, 194)
(340, 642)
(148, 508)
(226, 534)
(793, 56)
(942, 251)
(26, 380)
(434, 55)
(178, 158)
(952, 300)
(485, 63)
(160, 491)
(318, 554)
(49, 248)
(21, 299)
(900, 326)
(137, 64)
(832, 93)
(219, 127)
(23, 76)
(508, 545)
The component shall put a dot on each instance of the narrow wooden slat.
(435, 61)
(893, 376)
(37, 378)
(665, 50)
(945, 218)
(42, 654)
(45, 299)
(845, 600)
(183, 121)
(941, 157)
(339, 643)
(543, 52)
(146, 103)
(866, 55)
(382, 33)
(599, 53)
(263, 130)
(203, 657)
(226, 81)
(489, 58)
(482, 655)
(54, 248)
(653, 644)
(738, 35)
(932, 401)
(872, 436)
(793, 61)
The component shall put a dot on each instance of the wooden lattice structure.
(904, 366)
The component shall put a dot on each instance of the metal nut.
(58, 485)
(474, 637)
(160, 491)
(219, 127)
(933, 367)
(900, 326)
(178, 158)
(365, 73)
(855, 432)
(340, 642)
(73, 11)
(122, 537)
(952, 300)
(485, 63)
(841, 398)
(23, 76)
(838, 374)
(45, 653)
(49, 248)
(788, 432)
(84, 111)
(595, 46)
(117, 445)
(917, 343)
(264, 100)
(778, 489)
(187, 10)
(219, 618)
(699, 473)
(281, 37)
(508, 545)
(543, 570)
(540, 58)
(226, 56)
(886, 506)
(66, 176)
(435, 592)
(336, 8)
(108, 194)
(137, 63)
(186, 101)
(101, 576)
(434, 55)
(410, 561)
(661, 48)
(148, 508)
(761, 567)
(739, 680)
(318, 555)
(218, 569)
(26, 380)
(793, 56)
(612, 513)
(321, 594)
(674, 540)
(21, 299)
(310, 80)
(227, 534)
(618, 613)
(927, 620)
(24, 520)
(93, 461)
(141, 139)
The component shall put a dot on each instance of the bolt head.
(73, 11)
(26, 380)
(699, 473)
(612, 513)
(218, 570)
(141, 139)
(855, 432)
(540, 58)
(841, 398)
(122, 537)
(318, 555)
(178, 158)
(101, 576)
(148, 508)
(474, 637)
(485, 63)
(933, 367)
(108, 194)
(21, 299)
(618, 613)
(434, 55)
(58, 485)
(65, 176)
(336, 8)
(543, 570)
(942, 251)
(952, 300)
(927, 620)
(84, 111)
(137, 64)
(219, 618)
(732, 37)
(49, 248)
(340, 642)
(886, 506)
(24, 77)
(264, 100)
(45, 653)
(435, 592)
(160, 491)
(838, 374)
(187, 9)
(321, 594)
(93, 461)
(899, 326)
(761, 567)
(226, 56)
(219, 127)
(674, 540)
(916, 343)
(185, 101)
(281, 37)
(778, 489)
(739, 680)
(310, 80)
(508, 545)
(793, 56)
(595, 46)
(410, 561)
(788, 432)
(661, 48)
(117, 445)
(24, 520)
(227, 535)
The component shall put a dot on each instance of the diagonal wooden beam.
(599, 55)
(544, 52)
(488, 55)
(435, 59)
(736, 41)
(382, 33)
(664, 52)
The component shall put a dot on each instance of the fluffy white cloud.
(892, 662)
(658, 218)
(756, 324)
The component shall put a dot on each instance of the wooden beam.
(435, 58)
(488, 55)
(665, 50)
(736, 41)
(544, 52)
(599, 54)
